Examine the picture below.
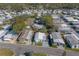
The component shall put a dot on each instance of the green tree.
(48, 22)
(19, 24)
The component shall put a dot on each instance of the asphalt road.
(20, 49)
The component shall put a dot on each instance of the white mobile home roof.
(75, 33)
(8, 37)
(71, 38)
(2, 33)
(29, 35)
(57, 37)
(70, 19)
(64, 27)
(38, 26)
(6, 26)
(58, 21)
(55, 17)
(75, 23)
(77, 26)
(40, 36)
(76, 36)
(1, 22)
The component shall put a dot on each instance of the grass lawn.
(39, 43)
(6, 52)
(43, 29)
(54, 46)
(67, 47)
(73, 49)
(39, 54)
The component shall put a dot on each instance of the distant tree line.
(21, 6)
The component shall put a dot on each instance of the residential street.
(20, 49)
